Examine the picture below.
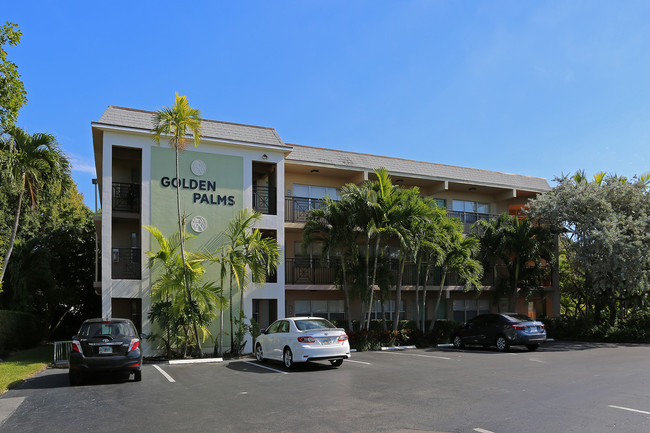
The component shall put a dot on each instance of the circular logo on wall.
(198, 167)
(199, 224)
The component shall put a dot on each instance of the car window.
(284, 326)
(492, 320)
(273, 328)
(112, 329)
(514, 317)
(476, 322)
(307, 324)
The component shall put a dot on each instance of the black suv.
(106, 345)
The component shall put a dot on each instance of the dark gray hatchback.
(105, 345)
(501, 330)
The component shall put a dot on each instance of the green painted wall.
(216, 196)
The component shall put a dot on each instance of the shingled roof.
(406, 167)
(140, 119)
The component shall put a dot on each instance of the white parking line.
(480, 430)
(164, 373)
(264, 366)
(415, 354)
(358, 362)
(631, 410)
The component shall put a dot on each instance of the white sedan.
(302, 339)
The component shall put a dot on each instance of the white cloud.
(82, 164)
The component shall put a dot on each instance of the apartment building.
(237, 166)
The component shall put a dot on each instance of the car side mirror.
(143, 336)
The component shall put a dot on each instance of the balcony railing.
(296, 208)
(126, 264)
(265, 199)
(126, 197)
(311, 271)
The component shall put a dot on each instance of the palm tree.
(177, 122)
(332, 225)
(169, 289)
(31, 164)
(458, 257)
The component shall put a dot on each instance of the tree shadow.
(58, 378)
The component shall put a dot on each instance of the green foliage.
(19, 366)
(604, 226)
(12, 91)
(19, 331)
(634, 328)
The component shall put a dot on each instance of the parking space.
(561, 387)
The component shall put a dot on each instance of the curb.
(398, 347)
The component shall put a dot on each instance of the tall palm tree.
(31, 164)
(332, 226)
(458, 257)
(176, 122)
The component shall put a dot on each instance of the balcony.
(126, 197)
(265, 199)
(469, 218)
(126, 264)
(296, 208)
(313, 271)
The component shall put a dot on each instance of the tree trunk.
(417, 294)
(346, 296)
(232, 336)
(398, 293)
(13, 236)
(181, 233)
(435, 310)
(424, 295)
(374, 277)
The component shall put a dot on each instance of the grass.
(21, 365)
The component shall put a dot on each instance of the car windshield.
(518, 318)
(112, 329)
(307, 324)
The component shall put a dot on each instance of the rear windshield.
(518, 318)
(307, 324)
(112, 329)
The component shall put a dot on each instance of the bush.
(633, 329)
(19, 331)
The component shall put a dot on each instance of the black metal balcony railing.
(296, 208)
(126, 197)
(311, 271)
(126, 264)
(265, 199)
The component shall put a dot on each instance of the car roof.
(100, 320)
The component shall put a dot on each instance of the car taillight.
(307, 339)
(543, 326)
(76, 346)
(518, 327)
(135, 343)
(343, 337)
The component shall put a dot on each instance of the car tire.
(532, 347)
(259, 354)
(457, 342)
(137, 376)
(287, 358)
(502, 343)
(336, 362)
(75, 378)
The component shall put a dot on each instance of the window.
(327, 309)
(389, 308)
(467, 309)
(310, 191)
(470, 206)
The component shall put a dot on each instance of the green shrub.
(19, 331)
(633, 329)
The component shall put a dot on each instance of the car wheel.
(137, 375)
(532, 347)
(502, 343)
(75, 378)
(336, 362)
(288, 358)
(457, 342)
(259, 354)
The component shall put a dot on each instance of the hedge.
(19, 331)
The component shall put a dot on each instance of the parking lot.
(563, 387)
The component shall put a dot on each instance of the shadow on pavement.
(551, 346)
(58, 378)
(253, 366)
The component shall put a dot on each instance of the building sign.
(199, 185)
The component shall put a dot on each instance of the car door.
(473, 330)
(270, 341)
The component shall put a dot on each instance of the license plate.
(105, 349)
(533, 329)
(327, 341)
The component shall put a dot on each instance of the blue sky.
(535, 88)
